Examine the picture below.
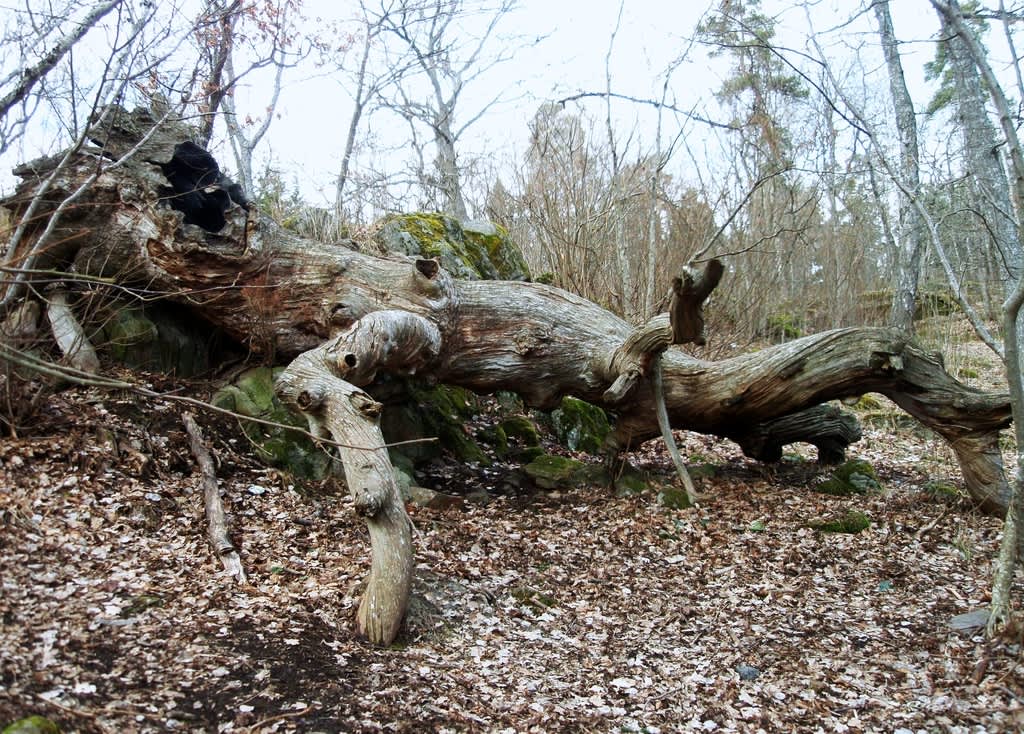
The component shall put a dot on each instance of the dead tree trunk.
(345, 316)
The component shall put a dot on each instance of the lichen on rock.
(855, 476)
(580, 426)
(472, 250)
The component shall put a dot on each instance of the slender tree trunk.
(358, 107)
(952, 17)
(982, 150)
(447, 166)
(910, 233)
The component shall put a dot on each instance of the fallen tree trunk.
(348, 315)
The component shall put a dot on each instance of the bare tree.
(910, 242)
(432, 31)
(18, 84)
(968, 48)
(237, 41)
(137, 41)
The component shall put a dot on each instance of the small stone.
(970, 622)
(747, 672)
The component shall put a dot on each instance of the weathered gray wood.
(216, 521)
(351, 314)
(350, 416)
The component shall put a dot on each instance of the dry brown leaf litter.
(549, 611)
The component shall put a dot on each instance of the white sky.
(307, 139)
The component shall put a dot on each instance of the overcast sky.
(307, 139)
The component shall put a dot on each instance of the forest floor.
(570, 610)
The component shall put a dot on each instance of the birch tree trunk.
(910, 233)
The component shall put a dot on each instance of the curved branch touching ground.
(727, 398)
(351, 416)
(320, 384)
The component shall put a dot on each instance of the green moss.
(472, 250)
(967, 373)
(440, 412)
(503, 254)
(452, 403)
(580, 426)
(252, 395)
(126, 331)
(32, 725)
(868, 402)
(674, 498)
(849, 470)
(941, 489)
(464, 448)
(855, 476)
(630, 482)
(545, 278)
(494, 436)
(532, 598)
(554, 472)
(851, 523)
(520, 428)
(159, 338)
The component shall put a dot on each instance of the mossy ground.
(851, 523)
(855, 476)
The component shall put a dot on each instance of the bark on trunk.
(346, 315)
(910, 246)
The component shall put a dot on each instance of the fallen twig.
(216, 530)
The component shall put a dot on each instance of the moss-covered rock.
(252, 395)
(630, 482)
(32, 725)
(674, 498)
(942, 489)
(441, 412)
(475, 250)
(505, 255)
(158, 338)
(580, 426)
(521, 429)
(495, 437)
(855, 476)
(555, 472)
(851, 523)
